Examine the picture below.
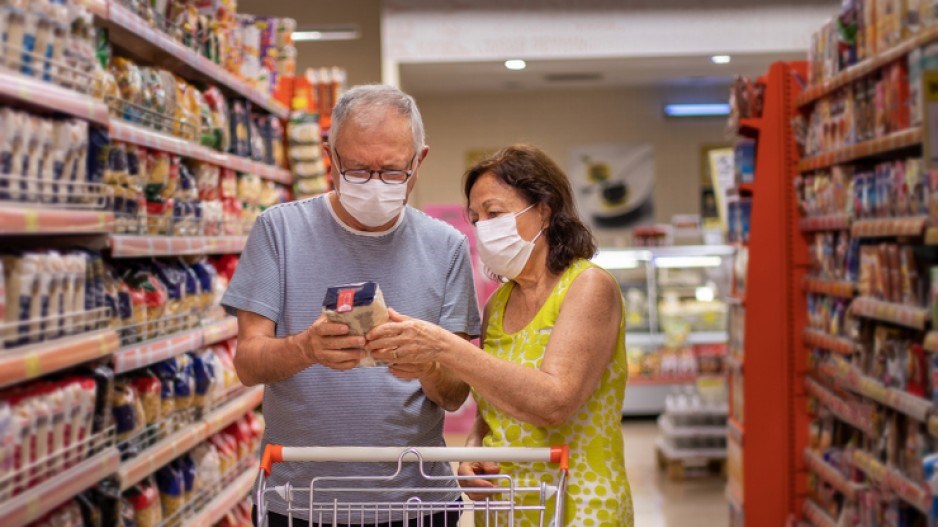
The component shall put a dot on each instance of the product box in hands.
(360, 306)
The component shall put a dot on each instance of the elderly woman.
(552, 369)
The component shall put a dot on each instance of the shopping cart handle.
(279, 453)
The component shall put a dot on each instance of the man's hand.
(476, 468)
(328, 343)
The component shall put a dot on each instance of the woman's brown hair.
(531, 172)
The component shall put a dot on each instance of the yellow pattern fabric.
(598, 490)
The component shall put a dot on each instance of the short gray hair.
(365, 100)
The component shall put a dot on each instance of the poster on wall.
(613, 184)
(721, 177)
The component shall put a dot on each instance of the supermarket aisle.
(659, 502)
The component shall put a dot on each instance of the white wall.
(556, 121)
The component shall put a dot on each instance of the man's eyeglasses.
(361, 176)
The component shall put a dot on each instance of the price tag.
(32, 365)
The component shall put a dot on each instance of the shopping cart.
(504, 501)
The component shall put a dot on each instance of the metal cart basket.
(541, 503)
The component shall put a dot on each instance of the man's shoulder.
(435, 229)
(292, 210)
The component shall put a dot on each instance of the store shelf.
(691, 453)
(152, 351)
(135, 36)
(855, 72)
(32, 504)
(851, 378)
(824, 470)
(874, 147)
(658, 339)
(888, 227)
(749, 127)
(899, 314)
(840, 408)
(133, 246)
(818, 339)
(817, 516)
(138, 135)
(168, 449)
(20, 89)
(838, 288)
(892, 479)
(219, 331)
(225, 501)
(733, 363)
(829, 222)
(669, 429)
(35, 360)
(35, 219)
(97, 7)
(735, 431)
(658, 381)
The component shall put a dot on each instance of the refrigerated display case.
(676, 317)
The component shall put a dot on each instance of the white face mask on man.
(503, 250)
(373, 203)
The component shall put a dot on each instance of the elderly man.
(316, 394)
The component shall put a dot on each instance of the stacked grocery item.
(314, 95)
(257, 49)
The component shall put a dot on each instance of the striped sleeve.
(256, 285)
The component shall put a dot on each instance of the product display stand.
(692, 436)
(764, 401)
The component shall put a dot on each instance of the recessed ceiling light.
(326, 33)
(720, 59)
(515, 64)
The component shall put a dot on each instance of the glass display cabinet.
(676, 316)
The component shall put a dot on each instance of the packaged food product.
(184, 383)
(187, 468)
(19, 277)
(128, 412)
(203, 368)
(219, 118)
(8, 440)
(208, 463)
(172, 489)
(56, 268)
(148, 388)
(39, 307)
(240, 129)
(130, 85)
(360, 306)
(145, 499)
(207, 275)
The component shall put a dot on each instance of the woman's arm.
(581, 346)
(474, 468)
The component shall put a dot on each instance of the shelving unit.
(173, 446)
(134, 246)
(134, 35)
(33, 361)
(223, 502)
(37, 219)
(863, 150)
(762, 442)
(83, 222)
(47, 97)
(37, 501)
(138, 135)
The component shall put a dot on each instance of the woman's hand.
(477, 468)
(410, 346)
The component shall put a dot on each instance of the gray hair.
(366, 100)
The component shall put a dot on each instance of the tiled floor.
(660, 502)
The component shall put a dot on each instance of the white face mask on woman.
(374, 203)
(503, 251)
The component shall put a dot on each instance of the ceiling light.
(704, 294)
(720, 59)
(337, 33)
(697, 110)
(515, 64)
(619, 258)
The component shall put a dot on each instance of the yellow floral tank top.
(597, 486)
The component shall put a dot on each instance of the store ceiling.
(540, 75)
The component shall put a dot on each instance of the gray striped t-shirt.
(294, 252)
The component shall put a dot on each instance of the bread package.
(360, 306)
